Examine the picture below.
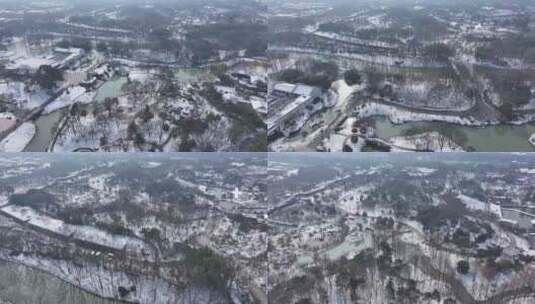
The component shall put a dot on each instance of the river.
(46, 126)
(501, 138)
(20, 284)
(110, 89)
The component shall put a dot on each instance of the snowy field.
(17, 93)
(399, 116)
(101, 281)
(18, 139)
(82, 233)
(73, 95)
(433, 141)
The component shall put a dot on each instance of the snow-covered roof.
(76, 51)
(32, 63)
(504, 220)
(305, 90)
(284, 87)
(298, 89)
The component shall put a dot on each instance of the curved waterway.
(47, 124)
(501, 138)
(110, 89)
(20, 284)
(45, 129)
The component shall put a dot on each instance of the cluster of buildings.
(247, 88)
(290, 105)
(25, 62)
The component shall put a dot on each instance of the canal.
(45, 128)
(110, 89)
(501, 138)
(47, 124)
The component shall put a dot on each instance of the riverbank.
(46, 126)
(18, 139)
(400, 116)
(49, 124)
(482, 136)
(492, 138)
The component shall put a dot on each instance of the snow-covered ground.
(350, 201)
(150, 165)
(419, 171)
(335, 142)
(532, 139)
(475, 204)
(529, 106)
(17, 92)
(345, 38)
(139, 75)
(69, 141)
(343, 91)
(399, 116)
(433, 141)
(373, 59)
(82, 233)
(99, 280)
(527, 171)
(283, 144)
(18, 139)
(96, 28)
(73, 95)
(428, 95)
